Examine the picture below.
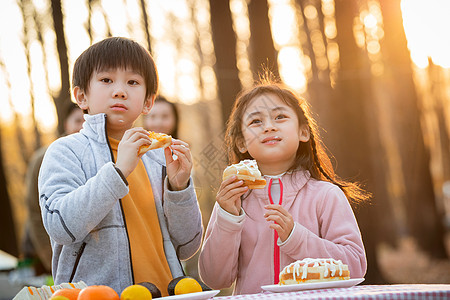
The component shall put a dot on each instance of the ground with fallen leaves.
(408, 264)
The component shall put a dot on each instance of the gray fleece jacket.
(80, 198)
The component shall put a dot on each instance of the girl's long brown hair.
(311, 155)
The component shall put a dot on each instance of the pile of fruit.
(141, 291)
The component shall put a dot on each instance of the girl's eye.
(255, 121)
(133, 82)
(106, 80)
(281, 116)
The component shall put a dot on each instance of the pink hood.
(325, 228)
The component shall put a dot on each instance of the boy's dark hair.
(114, 53)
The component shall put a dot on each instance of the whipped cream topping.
(302, 265)
(249, 165)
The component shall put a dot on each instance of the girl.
(163, 117)
(303, 210)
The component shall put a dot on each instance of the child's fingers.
(276, 213)
(182, 152)
(231, 189)
(179, 142)
(230, 183)
(230, 198)
(168, 155)
(278, 219)
(134, 130)
(276, 207)
(133, 136)
(276, 227)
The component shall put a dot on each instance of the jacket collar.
(293, 182)
(94, 128)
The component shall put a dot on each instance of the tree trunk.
(350, 135)
(146, 25)
(262, 51)
(224, 40)
(424, 221)
(62, 101)
(8, 240)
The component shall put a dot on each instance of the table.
(395, 291)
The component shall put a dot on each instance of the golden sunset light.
(342, 106)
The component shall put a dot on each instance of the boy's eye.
(106, 80)
(133, 82)
(280, 116)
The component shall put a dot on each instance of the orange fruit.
(71, 294)
(187, 285)
(98, 292)
(58, 298)
(136, 292)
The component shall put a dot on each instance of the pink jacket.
(325, 227)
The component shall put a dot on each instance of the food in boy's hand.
(314, 270)
(98, 292)
(183, 285)
(246, 170)
(46, 292)
(59, 298)
(156, 293)
(136, 292)
(159, 140)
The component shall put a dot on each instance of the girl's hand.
(178, 170)
(127, 152)
(283, 222)
(229, 195)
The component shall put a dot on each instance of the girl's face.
(271, 133)
(161, 118)
(74, 121)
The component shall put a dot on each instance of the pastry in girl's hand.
(246, 170)
(159, 140)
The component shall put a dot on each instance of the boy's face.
(118, 93)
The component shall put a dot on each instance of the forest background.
(376, 74)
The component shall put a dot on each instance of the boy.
(115, 218)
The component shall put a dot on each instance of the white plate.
(194, 296)
(276, 288)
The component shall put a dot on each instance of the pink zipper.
(276, 248)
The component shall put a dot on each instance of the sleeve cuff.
(121, 174)
(280, 243)
(232, 218)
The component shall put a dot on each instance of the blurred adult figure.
(36, 243)
(163, 117)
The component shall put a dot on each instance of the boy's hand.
(229, 195)
(179, 169)
(283, 222)
(127, 153)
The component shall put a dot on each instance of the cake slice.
(314, 270)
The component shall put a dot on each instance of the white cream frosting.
(247, 164)
(302, 265)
